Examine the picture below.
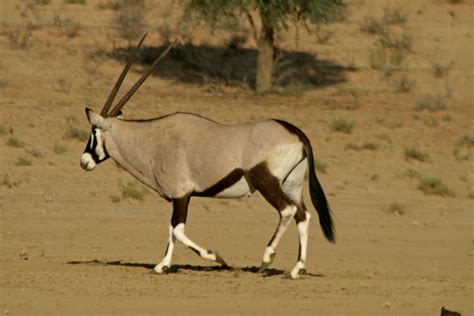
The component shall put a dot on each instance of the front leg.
(178, 222)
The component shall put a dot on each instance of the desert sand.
(72, 244)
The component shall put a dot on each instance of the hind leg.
(270, 188)
(302, 219)
(285, 218)
(293, 187)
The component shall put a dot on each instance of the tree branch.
(254, 27)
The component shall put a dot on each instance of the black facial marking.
(92, 145)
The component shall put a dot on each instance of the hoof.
(220, 260)
(162, 270)
(296, 275)
(265, 265)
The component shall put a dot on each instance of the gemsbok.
(182, 155)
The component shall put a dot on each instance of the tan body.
(184, 153)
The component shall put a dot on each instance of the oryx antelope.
(184, 155)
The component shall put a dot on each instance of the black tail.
(316, 191)
(319, 200)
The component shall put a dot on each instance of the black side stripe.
(223, 184)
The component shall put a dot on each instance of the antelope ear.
(97, 120)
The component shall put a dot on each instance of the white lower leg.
(178, 232)
(166, 262)
(286, 216)
(303, 236)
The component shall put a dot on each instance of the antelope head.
(95, 151)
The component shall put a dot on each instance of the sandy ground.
(71, 244)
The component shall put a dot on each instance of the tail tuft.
(321, 204)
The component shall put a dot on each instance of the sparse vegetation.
(19, 37)
(114, 199)
(390, 61)
(67, 26)
(41, 2)
(412, 173)
(293, 89)
(466, 140)
(60, 149)
(353, 146)
(63, 85)
(403, 84)
(377, 58)
(119, 4)
(23, 161)
(134, 191)
(446, 118)
(434, 186)
(130, 21)
(320, 166)
(35, 153)
(461, 154)
(372, 26)
(342, 125)
(432, 104)
(235, 42)
(395, 208)
(396, 125)
(440, 70)
(6, 181)
(73, 132)
(347, 90)
(372, 146)
(394, 16)
(416, 154)
(81, 2)
(3, 129)
(323, 35)
(384, 137)
(431, 121)
(398, 42)
(14, 142)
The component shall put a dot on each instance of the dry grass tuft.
(342, 125)
(395, 208)
(59, 149)
(73, 132)
(434, 186)
(432, 104)
(133, 191)
(14, 142)
(22, 161)
(416, 154)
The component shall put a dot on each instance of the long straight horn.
(134, 88)
(125, 70)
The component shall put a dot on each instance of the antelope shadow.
(178, 267)
(235, 66)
